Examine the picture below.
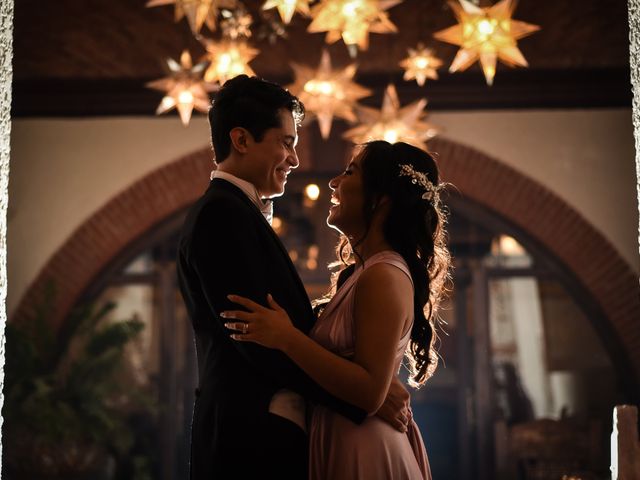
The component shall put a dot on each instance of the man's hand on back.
(396, 410)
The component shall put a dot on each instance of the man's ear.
(240, 138)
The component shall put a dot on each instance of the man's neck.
(231, 166)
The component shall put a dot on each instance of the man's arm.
(395, 409)
(229, 260)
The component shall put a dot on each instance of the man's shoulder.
(222, 199)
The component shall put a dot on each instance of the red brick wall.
(527, 204)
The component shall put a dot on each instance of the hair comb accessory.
(420, 179)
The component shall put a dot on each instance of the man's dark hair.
(251, 103)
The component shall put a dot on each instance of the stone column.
(6, 56)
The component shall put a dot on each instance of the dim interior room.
(540, 338)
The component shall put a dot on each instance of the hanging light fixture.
(326, 92)
(236, 23)
(286, 8)
(198, 12)
(185, 88)
(486, 34)
(227, 59)
(393, 123)
(421, 64)
(352, 20)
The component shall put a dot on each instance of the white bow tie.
(267, 210)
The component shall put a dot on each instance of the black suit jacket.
(228, 247)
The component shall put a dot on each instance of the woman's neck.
(372, 244)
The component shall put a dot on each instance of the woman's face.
(346, 212)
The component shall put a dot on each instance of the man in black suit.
(249, 413)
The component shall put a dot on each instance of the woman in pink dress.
(382, 309)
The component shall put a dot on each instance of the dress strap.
(392, 258)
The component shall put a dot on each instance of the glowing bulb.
(312, 264)
(422, 62)
(391, 135)
(485, 27)
(224, 61)
(185, 97)
(510, 246)
(350, 9)
(326, 88)
(276, 223)
(312, 191)
(319, 87)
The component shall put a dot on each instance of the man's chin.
(275, 193)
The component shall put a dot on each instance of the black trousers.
(282, 455)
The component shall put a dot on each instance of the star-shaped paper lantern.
(236, 23)
(198, 12)
(270, 27)
(352, 20)
(185, 88)
(393, 123)
(228, 59)
(486, 34)
(326, 92)
(421, 64)
(287, 8)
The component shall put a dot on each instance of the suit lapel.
(231, 188)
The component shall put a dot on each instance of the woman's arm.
(383, 308)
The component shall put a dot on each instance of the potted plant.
(62, 410)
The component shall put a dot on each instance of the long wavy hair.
(415, 228)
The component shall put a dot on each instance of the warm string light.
(326, 92)
(393, 123)
(352, 20)
(486, 34)
(185, 88)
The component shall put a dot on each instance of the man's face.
(273, 158)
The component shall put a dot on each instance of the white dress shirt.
(265, 206)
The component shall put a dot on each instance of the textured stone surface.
(634, 55)
(6, 50)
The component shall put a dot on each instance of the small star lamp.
(184, 88)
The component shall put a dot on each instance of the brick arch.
(528, 205)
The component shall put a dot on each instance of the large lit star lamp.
(185, 88)
(352, 20)
(198, 12)
(486, 34)
(326, 92)
(393, 123)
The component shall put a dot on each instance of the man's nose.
(293, 159)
